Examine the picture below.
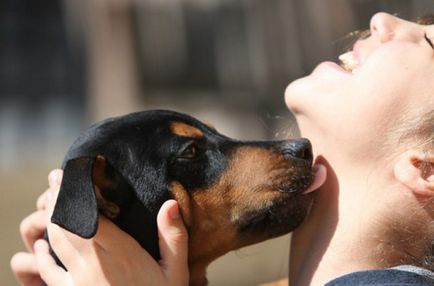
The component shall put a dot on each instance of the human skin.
(375, 209)
(111, 257)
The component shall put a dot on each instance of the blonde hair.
(419, 131)
(420, 135)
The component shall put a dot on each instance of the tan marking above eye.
(185, 130)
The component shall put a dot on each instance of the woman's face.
(350, 115)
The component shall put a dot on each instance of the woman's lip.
(330, 66)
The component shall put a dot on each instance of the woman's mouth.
(349, 62)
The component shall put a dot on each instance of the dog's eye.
(189, 153)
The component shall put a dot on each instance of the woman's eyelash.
(429, 41)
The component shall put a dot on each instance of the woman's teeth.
(349, 62)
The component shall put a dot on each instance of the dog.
(230, 193)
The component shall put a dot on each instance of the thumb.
(173, 241)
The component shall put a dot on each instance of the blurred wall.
(66, 64)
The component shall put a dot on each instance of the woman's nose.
(383, 26)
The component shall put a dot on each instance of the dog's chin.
(276, 218)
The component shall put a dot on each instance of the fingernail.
(59, 176)
(55, 177)
(52, 178)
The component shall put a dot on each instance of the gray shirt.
(404, 275)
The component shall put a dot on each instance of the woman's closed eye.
(429, 41)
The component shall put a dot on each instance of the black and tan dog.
(231, 193)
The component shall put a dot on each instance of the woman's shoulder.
(399, 276)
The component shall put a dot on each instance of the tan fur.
(108, 208)
(211, 214)
(185, 130)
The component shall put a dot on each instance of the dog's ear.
(76, 207)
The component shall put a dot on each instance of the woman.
(372, 125)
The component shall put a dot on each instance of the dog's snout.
(299, 148)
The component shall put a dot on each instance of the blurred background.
(65, 64)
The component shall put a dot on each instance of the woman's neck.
(346, 232)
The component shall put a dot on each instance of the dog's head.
(231, 193)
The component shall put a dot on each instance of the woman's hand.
(32, 228)
(112, 257)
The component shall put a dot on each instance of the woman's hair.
(414, 133)
(425, 131)
(418, 132)
(425, 20)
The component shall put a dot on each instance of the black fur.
(142, 156)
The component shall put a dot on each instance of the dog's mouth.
(283, 213)
(349, 62)
(278, 217)
(306, 182)
(299, 185)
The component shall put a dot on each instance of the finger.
(50, 272)
(65, 249)
(43, 200)
(71, 249)
(173, 241)
(55, 178)
(25, 268)
(24, 262)
(46, 198)
(114, 240)
(32, 228)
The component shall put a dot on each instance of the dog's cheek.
(206, 217)
(213, 233)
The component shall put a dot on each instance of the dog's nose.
(298, 148)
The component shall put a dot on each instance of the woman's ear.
(415, 169)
